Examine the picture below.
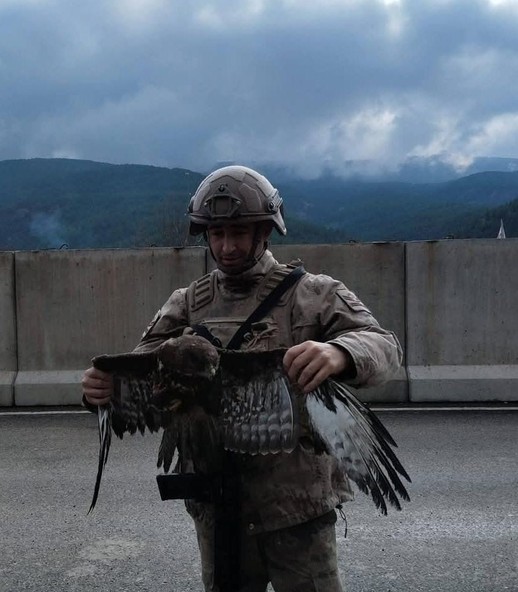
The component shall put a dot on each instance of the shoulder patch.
(351, 300)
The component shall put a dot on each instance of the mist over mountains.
(415, 169)
(48, 203)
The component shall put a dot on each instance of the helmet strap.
(254, 256)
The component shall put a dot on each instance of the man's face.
(232, 244)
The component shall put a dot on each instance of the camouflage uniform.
(288, 500)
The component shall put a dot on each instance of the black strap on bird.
(205, 332)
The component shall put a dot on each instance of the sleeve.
(170, 321)
(343, 320)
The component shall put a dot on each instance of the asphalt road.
(458, 534)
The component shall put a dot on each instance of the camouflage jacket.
(286, 489)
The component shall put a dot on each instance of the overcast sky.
(308, 83)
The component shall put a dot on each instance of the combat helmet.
(235, 193)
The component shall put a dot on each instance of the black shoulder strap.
(266, 305)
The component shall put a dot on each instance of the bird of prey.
(208, 400)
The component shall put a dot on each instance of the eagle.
(208, 400)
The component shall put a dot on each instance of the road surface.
(458, 534)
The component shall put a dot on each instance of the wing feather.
(105, 436)
(168, 446)
(352, 433)
(374, 429)
(258, 410)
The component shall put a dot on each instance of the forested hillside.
(46, 203)
(485, 223)
(402, 211)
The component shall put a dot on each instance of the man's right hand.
(97, 386)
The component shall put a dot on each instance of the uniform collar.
(244, 282)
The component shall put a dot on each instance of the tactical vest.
(223, 312)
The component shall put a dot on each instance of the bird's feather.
(105, 437)
(257, 406)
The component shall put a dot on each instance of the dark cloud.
(307, 84)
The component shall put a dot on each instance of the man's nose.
(228, 244)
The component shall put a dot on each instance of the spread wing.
(207, 400)
(260, 415)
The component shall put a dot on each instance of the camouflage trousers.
(300, 558)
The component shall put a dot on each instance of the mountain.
(398, 211)
(46, 203)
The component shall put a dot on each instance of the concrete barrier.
(451, 303)
(462, 327)
(375, 273)
(8, 362)
(73, 305)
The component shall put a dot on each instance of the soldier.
(288, 500)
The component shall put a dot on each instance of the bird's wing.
(129, 409)
(357, 438)
(163, 389)
(259, 416)
(133, 405)
(258, 413)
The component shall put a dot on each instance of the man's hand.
(311, 362)
(97, 386)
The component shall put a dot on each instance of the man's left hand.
(311, 362)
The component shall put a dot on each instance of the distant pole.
(501, 232)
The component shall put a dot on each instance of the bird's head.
(187, 365)
(189, 356)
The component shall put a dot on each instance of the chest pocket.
(262, 337)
